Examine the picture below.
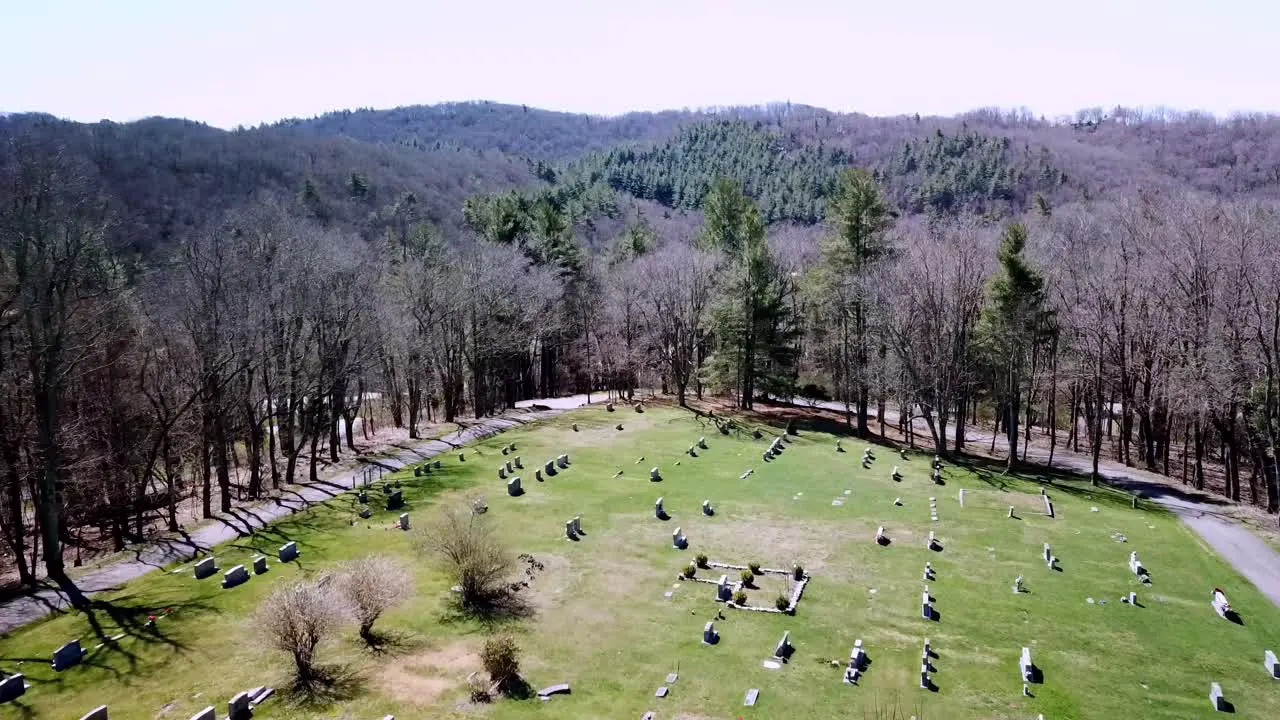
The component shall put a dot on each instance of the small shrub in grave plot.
(767, 587)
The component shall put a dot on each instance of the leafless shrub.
(501, 658)
(296, 618)
(371, 586)
(464, 545)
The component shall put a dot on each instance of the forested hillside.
(189, 315)
(166, 179)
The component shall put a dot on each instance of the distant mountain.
(351, 169)
(165, 178)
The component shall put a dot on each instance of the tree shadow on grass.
(391, 643)
(492, 613)
(327, 685)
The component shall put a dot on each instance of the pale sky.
(229, 62)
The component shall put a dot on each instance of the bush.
(748, 577)
(754, 568)
(782, 602)
(797, 571)
(501, 658)
(702, 560)
(740, 598)
(464, 545)
(690, 571)
(296, 618)
(371, 586)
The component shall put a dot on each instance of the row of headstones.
(426, 468)
(239, 706)
(660, 512)
(238, 574)
(931, 543)
(694, 448)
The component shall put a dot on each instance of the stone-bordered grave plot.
(769, 590)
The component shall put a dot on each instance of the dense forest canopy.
(190, 315)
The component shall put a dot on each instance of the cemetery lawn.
(601, 621)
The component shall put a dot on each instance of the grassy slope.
(603, 623)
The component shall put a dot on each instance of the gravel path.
(243, 521)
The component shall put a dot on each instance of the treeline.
(240, 355)
(237, 362)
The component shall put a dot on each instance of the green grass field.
(602, 623)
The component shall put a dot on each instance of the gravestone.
(857, 657)
(235, 576)
(365, 512)
(395, 501)
(238, 706)
(362, 497)
(1048, 506)
(924, 676)
(462, 457)
(417, 472)
(750, 699)
(1047, 554)
(1017, 584)
(661, 692)
(575, 427)
(513, 487)
(98, 713)
(1133, 598)
(962, 497)
(933, 541)
(549, 469)
(1135, 565)
(707, 509)
(839, 448)
(562, 462)
(206, 714)
(639, 407)
(1026, 669)
(926, 607)
(502, 472)
(205, 568)
(609, 407)
(577, 524)
(897, 476)
(1010, 511)
(1271, 664)
(654, 475)
(404, 521)
(288, 551)
(426, 468)
(702, 443)
(880, 536)
(928, 572)
(517, 464)
(678, 540)
(506, 449)
(12, 687)
(746, 474)
(569, 531)
(709, 634)
(537, 475)
(1216, 699)
(724, 592)
(659, 511)
(509, 467)
(259, 564)
(784, 648)
(436, 464)
(68, 655)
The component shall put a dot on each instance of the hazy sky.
(231, 62)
